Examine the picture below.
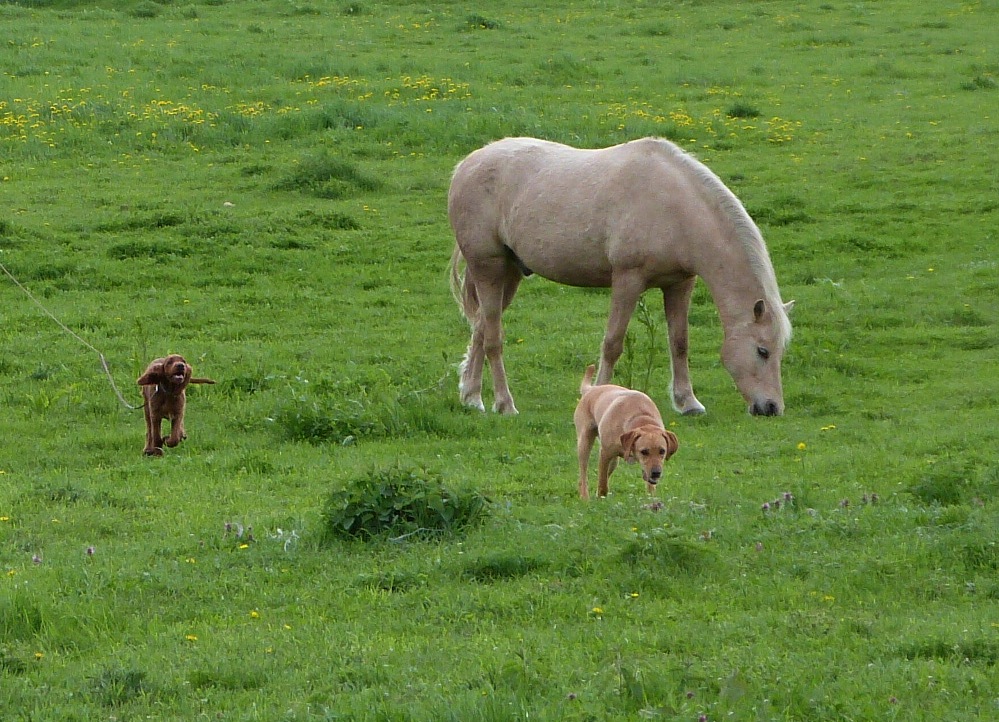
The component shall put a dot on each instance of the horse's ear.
(759, 309)
(788, 306)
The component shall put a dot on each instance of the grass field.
(260, 185)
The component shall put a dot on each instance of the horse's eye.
(763, 352)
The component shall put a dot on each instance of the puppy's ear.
(152, 376)
(672, 443)
(628, 439)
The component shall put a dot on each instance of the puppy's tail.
(587, 379)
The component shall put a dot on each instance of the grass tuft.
(502, 565)
(327, 176)
(667, 554)
(116, 687)
(481, 23)
(399, 501)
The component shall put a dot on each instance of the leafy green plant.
(640, 360)
(399, 501)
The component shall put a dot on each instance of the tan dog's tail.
(587, 379)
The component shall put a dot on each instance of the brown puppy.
(628, 425)
(164, 397)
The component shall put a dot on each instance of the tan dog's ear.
(628, 439)
(672, 443)
(152, 376)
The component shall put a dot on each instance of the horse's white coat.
(634, 216)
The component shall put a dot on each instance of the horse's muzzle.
(765, 408)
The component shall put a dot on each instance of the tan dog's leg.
(608, 462)
(585, 437)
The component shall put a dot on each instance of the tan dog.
(628, 425)
(164, 397)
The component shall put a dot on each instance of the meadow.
(260, 185)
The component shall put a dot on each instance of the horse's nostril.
(769, 408)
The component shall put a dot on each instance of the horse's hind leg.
(625, 292)
(496, 289)
(676, 303)
(470, 371)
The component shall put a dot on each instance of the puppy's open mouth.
(177, 378)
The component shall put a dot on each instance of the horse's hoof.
(473, 403)
(697, 410)
(507, 408)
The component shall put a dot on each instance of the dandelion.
(802, 446)
(39, 655)
(191, 637)
(254, 614)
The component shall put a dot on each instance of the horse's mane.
(747, 232)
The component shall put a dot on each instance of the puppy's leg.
(177, 424)
(584, 444)
(154, 442)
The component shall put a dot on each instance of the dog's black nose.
(655, 475)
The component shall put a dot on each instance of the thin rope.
(68, 330)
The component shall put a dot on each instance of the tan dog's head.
(172, 374)
(650, 446)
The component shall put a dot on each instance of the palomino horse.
(635, 216)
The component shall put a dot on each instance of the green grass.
(261, 186)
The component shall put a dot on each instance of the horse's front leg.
(676, 303)
(626, 289)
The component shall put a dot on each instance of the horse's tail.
(461, 289)
(587, 379)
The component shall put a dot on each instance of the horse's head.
(752, 353)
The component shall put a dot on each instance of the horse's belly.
(570, 262)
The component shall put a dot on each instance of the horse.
(639, 215)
